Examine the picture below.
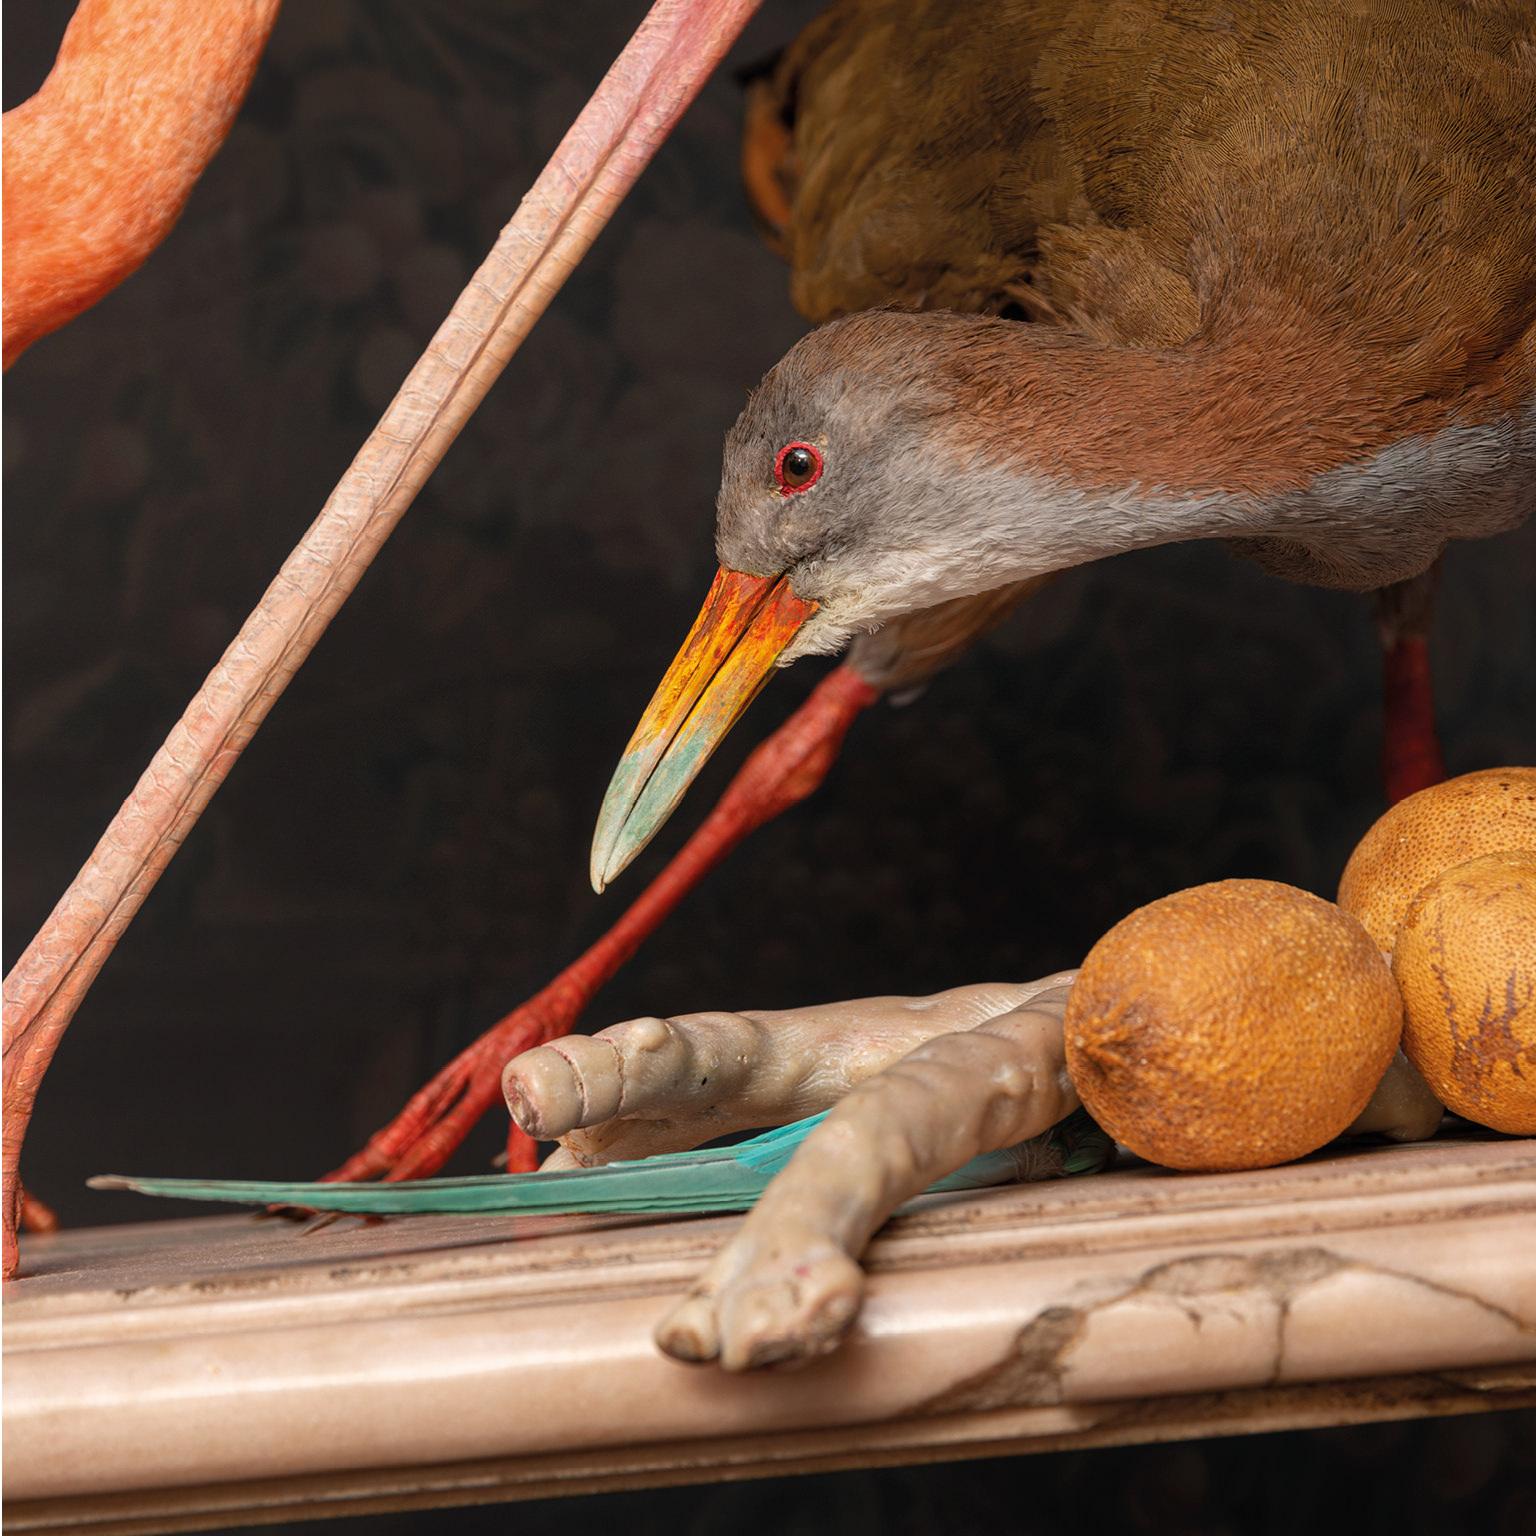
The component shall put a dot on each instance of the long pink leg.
(786, 768)
(658, 74)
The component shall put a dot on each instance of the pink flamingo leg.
(786, 768)
(671, 55)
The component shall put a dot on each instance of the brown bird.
(1109, 171)
(1286, 257)
(1204, 355)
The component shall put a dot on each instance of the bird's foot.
(916, 1087)
(23, 1212)
(781, 1297)
(665, 1085)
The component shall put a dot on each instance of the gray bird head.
(886, 523)
(843, 504)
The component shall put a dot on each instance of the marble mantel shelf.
(225, 1371)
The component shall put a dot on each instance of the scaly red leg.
(1411, 757)
(780, 773)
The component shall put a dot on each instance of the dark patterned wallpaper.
(401, 856)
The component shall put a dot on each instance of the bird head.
(840, 507)
(837, 479)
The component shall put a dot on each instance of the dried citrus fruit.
(1465, 960)
(1432, 831)
(1234, 1025)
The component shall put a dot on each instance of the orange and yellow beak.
(741, 631)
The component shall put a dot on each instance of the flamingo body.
(101, 161)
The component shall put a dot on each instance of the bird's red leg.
(35, 1216)
(653, 80)
(786, 768)
(1411, 757)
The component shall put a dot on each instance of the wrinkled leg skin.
(916, 1087)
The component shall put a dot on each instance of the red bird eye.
(797, 468)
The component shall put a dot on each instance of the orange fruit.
(1234, 1025)
(1432, 831)
(1466, 963)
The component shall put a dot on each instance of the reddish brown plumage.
(1134, 174)
(1066, 161)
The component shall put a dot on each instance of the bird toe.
(789, 1309)
(690, 1332)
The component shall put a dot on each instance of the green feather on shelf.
(719, 1179)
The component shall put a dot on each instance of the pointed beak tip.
(608, 840)
(597, 868)
(739, 635)
(613, 856)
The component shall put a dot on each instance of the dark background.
(401, 855)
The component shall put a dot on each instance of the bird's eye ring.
(797, 468)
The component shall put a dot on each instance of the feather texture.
(718, 1179)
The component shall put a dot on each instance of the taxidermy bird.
(99, 165)
(101, 161)
(1291, 318)
(1282, 259)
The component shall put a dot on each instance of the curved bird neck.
(1342, 462)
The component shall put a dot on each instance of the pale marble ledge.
(227, 1371)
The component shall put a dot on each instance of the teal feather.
(719, 1179)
